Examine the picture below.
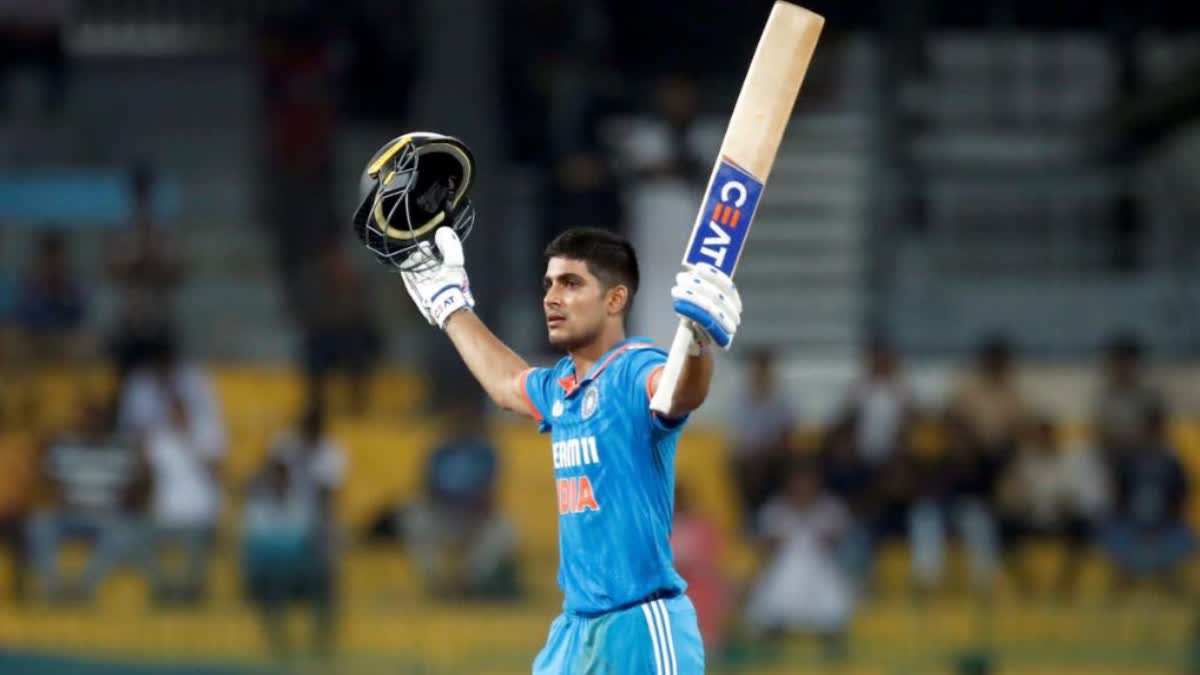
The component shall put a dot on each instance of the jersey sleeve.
(642, 366)
(536, 389)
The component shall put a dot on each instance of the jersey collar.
(568, 383)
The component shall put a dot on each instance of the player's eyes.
(564, 283)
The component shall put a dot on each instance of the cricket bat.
(747, 152)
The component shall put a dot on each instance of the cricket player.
(624, 609)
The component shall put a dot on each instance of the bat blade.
(747, 154)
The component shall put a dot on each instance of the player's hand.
(706, 297)
(441, 290)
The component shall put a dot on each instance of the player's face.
(574, 302)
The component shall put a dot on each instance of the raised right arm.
(442, 293)
(498, 368)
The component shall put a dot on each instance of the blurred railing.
(999, 212)
(165, 27)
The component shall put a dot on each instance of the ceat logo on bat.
(725, 217)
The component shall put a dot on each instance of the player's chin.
(561, 338)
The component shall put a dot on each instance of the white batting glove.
(442, 290)
(706, 297)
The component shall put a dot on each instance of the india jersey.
(614, 469)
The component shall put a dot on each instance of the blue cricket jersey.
(614, 469)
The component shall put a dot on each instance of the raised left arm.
(707, 300)
(692, 388)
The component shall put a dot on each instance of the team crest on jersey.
(557, 410)
(591, 401)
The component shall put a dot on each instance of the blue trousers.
(115, 536)
(659, 637)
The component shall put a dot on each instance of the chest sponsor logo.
(575, 495)
(574, 452)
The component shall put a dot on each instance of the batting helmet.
(413, 185)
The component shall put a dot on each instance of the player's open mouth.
(554, 321)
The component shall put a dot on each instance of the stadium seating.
(387, 613)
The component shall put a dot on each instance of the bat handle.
(664, 394)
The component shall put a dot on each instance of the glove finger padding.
(707, 315)
(420, 257)
(721, 281)
(689, 287)
(707, 297)
(450, 246)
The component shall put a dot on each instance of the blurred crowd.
(138, 481)
(619, 140)
(986, 470)
(134, 474)
(136, 477)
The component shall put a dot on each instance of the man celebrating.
(624, 610)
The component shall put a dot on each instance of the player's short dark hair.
(608, 255)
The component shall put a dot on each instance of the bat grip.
(664, 393)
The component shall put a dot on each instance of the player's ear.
(616, 298)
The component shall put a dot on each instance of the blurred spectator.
(146, 271)
(698, 544)
(18, 482)
(1149, 535)
(281, 560)
(463, 545)
(1124, 399)
(13, 365)
(170, 409)
(879, 407)
(866, 457)
(317, 466)
(843, 470)
(31, 36)
(51, 303)
(340, 333)
(761, 433)
(802, 586)
(95, 487)
(185, 504)
(850, 479)
(316, 461)
(669, 153)
(990, 406)
(984, 421)
(150, 391)
(1052, 492)
(962, 502)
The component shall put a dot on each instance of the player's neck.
(587, 355)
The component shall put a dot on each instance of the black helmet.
(413, 185)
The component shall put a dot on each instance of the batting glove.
(441, 289)
(706, 297)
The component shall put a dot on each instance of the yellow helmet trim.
(388, 154)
